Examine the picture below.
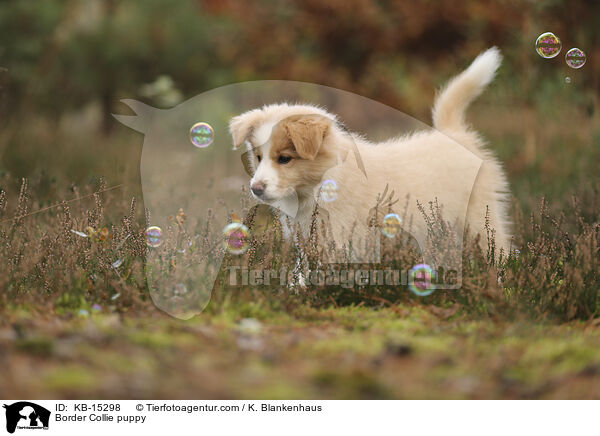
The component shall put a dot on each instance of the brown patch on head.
(301, 138)
(281, 144)
(305, 133)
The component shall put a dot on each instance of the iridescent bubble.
(202, 135)
(154, 236)
(421, 280)
(96, 308)
(548, 45)
(329, 191)
(83, 313)
(575, 58)
(236, 238)
(567, 79)
(391, 225)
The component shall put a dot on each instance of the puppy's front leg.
(298, 279)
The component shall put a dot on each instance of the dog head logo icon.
(26, 415)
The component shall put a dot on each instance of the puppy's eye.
(283, 159)
(258, 157)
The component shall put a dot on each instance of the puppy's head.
(291, 155)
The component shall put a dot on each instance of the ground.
(336, 353)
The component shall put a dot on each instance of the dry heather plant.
(67, 260)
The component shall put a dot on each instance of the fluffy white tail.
(453, 100)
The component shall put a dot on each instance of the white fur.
(450, 105)
(425, 166)
(265, 173)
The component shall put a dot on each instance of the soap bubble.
(202, 135)
(329, 191)
(391, 225)
(567, 79)
(420, 280)
(575, 58)
(548, 45)
(83, 313)
(96, 308)
(154, 236)
(236, 238)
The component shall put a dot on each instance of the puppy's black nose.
(258, 188)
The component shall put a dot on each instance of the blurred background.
(75, 317)
(65, 64)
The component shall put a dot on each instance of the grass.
(349, 352)
(72, 325)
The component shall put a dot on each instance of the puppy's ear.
(242, 126)
(307, 133)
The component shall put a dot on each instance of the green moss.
(71, 378)
(345, 352)
(363, 345)
(39, 346)
(357, 384)
(563, 355)
(152, 339)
